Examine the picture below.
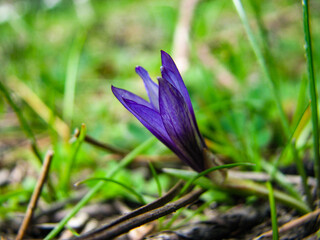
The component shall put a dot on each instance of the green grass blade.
(302, 173)
(129, 189)
(275, 174)
(74, 232)
(204, 206)
(313, 94)
(39, 107)
(273, 209)
(266, 72)
(302, 123)
(301, 100)
(71, 161)
(156, 178)
(71, 76)
(257, 7)
(23, 122)
(281, 179)
(124, 162)
(173, 218)
(263, 65)
(6, 196)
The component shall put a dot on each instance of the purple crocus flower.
(169, 115)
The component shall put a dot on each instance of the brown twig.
(146, 208)
(96, 143)
(149, 216)
(104, 146)
(120, 152)
(35, 196)
(310, 217)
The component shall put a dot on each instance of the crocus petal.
(171, 73)
(152, 121)
(179, 124)
(168, 62)
(144, 112)
(169, 114)
(122, 94)
(151, 87)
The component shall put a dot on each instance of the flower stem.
(313, 94)
(273, 209)
(241, 187)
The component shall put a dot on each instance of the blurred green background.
(69, 53)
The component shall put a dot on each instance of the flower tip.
(167, 60)
(141, 71)
(164, 55)
(163, 52)
(114, 90)
(138, 68)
